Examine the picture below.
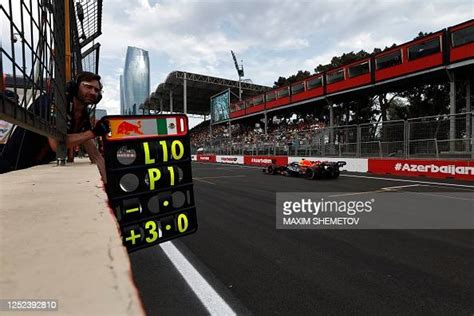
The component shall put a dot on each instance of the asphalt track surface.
(256, 269)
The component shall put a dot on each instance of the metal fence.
(32, 65)
(45, 43)
(443, 136)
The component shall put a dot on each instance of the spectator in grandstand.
(295, 130)
(25, 149)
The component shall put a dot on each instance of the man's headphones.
(72, 87)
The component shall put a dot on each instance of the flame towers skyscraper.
(135, 86)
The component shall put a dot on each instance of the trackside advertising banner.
(353, 164)
(265, 160)
(206, 158)
(462, 170)
(231, 159)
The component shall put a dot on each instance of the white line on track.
(197, 179)
(402, 186)
(381, 190)
(353, 193)
(213, 302)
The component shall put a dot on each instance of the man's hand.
(101, 127)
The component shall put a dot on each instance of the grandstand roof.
(199, 88)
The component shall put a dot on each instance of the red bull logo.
(126, 128)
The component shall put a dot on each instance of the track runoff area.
(238, 262)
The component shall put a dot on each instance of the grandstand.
(367, 108)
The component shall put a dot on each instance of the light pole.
(240, 72)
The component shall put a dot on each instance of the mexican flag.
(167, 126)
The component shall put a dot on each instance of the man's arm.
(96, 157)
(101, 128)
(87, 139)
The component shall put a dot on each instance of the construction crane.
(240, 72)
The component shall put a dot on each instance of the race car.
(308, 169)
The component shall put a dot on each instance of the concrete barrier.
(59, 240)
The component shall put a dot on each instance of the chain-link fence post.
(472, 137)
(407, 155)
(358, 141)
(60, 84)
(405, 139)
(452, 110)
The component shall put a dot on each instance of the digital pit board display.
(149, 178)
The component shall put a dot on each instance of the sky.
(273, 38)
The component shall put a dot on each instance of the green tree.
(385, 101)
(398, 110)
(421, 34)
(344, 59)
(282, 81)
(379, 50)
(427, 99)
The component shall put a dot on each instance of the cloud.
(111, 96)
(364, 41)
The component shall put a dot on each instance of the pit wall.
(446, 169)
